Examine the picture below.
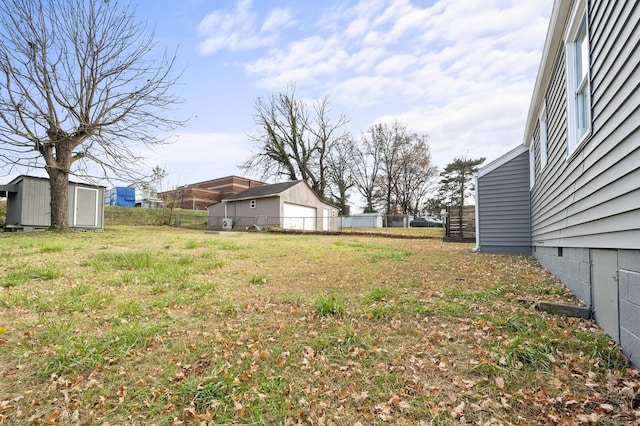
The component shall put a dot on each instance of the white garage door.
(299, 217)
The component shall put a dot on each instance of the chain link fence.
(199, 219)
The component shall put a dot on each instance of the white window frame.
(544, 136)
(252, 204)
(532, 165)
(578, 87)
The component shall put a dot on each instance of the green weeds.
(30, 273)
(329, 305)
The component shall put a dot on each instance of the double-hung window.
(578, 77)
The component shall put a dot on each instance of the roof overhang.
(552, 44)
(8, 188)
(500, 161)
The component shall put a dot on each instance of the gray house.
(582, 138)
(287, 205)
(29, 200)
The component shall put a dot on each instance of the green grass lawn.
(158, 325)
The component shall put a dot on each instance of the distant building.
(287, 205)
(199, 196)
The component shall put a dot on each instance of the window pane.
(582, 51)
(582, 111)
(543, 143)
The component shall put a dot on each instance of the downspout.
(475, 182)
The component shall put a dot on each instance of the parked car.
(422, 222)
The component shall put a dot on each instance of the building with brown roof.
(200, 195)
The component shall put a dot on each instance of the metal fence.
(198, 219)
(306, 223)
(353, 223)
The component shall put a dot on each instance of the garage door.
(299, 217)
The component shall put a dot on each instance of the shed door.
(605, 291)
(86, 207)
(299, 217)
(325, 219)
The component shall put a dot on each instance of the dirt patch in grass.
(170, 326)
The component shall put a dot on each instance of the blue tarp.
(122, 196)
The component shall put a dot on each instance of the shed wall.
(503, 207)
(36, 202)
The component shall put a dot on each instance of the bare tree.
(416, 173)
(81, 89)
(366, 167)
(340, 172)
(393, 140)
(392, 168)
(293, 140)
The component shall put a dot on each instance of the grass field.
(166, 326)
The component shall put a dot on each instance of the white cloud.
(460, 70)
(278, 18)
(237, 30)
(199, 156)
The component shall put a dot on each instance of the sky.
(460, 71)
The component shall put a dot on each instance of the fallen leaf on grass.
(606, 408)
(458, 411)
(592, 418)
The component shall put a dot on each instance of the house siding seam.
(503, 209)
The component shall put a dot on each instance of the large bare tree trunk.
(59, 181)
(81, 92)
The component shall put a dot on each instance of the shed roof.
(20, 178)
(263, 191)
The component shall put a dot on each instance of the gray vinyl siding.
(30, 205)
(592, 198)
(35, 203)
(503, 207)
